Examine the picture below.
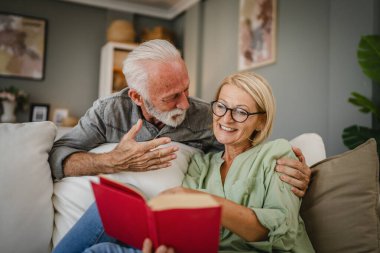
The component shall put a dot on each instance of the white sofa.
(35, 212)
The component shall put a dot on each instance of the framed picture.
(59, 115)
(257, 33)
(39, 112)
(22, 46)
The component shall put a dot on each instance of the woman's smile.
(225, 128)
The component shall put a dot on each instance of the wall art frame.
(39, 112)
(22, 46)
(59, 115)
(257, 33)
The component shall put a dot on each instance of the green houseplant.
(369, 60)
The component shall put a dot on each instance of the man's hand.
(147, 248)
(130, 155)
(295, 173)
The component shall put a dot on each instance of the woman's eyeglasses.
(238, 114)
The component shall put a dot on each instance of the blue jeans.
(87, 232)
(108, 247)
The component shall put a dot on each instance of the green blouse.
(252, 182)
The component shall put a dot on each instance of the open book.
(185, 222)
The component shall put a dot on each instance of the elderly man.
(157, 94)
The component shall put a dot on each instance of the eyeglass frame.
(232, 110)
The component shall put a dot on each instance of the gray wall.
(316, 65)
(345, 75)
(75, 36)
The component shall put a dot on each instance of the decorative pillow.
(73, 195)
(339, 208)
(26, 187)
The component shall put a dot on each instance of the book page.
(182, 201)
(128, 188)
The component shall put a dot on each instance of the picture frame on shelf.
(39, 112)
(257, 33)
(23, 46)
(59, 115)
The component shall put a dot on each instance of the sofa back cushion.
(26, 187)
(340, 206)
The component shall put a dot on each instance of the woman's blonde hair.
(260, 91)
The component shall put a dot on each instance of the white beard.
(171, 118)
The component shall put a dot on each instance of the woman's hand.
(296, 173)
(148, 247)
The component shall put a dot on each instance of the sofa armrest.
(312, 147)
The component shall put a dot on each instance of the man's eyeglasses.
(238, 114)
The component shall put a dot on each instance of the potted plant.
(369, 60)
(12, 100)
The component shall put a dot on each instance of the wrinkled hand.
(296, 173)
(130, 155)
(147, 248)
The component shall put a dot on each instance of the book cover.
(185, 222)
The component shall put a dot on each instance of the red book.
(186, 222)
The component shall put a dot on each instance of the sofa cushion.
(73, 195)
(26, 187)
(312, 147)
(340, 206)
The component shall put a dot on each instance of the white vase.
(8, 115)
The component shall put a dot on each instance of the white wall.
(316, 65)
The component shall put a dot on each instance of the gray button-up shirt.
(110, 118)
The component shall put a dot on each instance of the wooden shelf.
(111, 77)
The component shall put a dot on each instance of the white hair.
(134, 68)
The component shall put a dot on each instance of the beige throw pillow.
(340, 207)
(26, 187)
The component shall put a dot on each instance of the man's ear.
(135, 96)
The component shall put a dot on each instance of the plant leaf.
(365, 105)
(369, 56)
(355, 135)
